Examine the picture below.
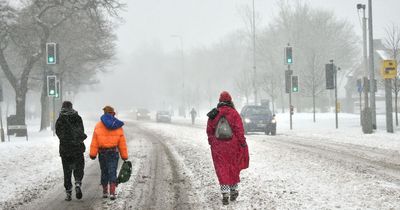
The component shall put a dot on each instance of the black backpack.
(223, 131)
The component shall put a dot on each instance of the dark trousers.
(108, 164)
(73, 164)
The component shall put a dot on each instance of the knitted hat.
(225, 96)
(66, 105)
(108, 109)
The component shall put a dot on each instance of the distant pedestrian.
(109, 143)
(228, 146)
(70, 131)
(193, 115)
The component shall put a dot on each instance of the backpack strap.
(213, 113)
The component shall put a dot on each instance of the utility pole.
(366, 113)
(371, 65)
(254, 57)
(365, 54)
(389, 72)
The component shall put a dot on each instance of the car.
(163, 116)
(258, 118)
(142, 114)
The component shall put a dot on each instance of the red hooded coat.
(230, 156)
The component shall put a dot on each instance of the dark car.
(258, 119)
(163, 116)
(142, 114)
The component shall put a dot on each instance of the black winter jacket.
(70, 131)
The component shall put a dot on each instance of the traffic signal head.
(295, 84)
(330, 76)
(288, 55)
(51, 52)
(51, 86)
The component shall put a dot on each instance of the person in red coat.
(230, 155)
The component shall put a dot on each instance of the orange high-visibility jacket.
(104, 138)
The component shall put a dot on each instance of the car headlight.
(247, 120)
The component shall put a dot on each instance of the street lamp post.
(183, 71)
(371, 65)
(365, 56)
(254, 57)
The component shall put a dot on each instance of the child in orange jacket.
(109, 142)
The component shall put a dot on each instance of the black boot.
(234, 195)
(225, 198)
(68, 197)
(78, 190)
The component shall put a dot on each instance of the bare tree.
(392, 43)
(35, 24)
(244, 84)
(316, 37)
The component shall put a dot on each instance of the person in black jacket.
(70, 131)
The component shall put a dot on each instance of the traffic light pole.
(54, 115)
(336, 103)
(290, 97)
(1, 125)
(335, 70)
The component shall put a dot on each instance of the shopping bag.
(125, 172)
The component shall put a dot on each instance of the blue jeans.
(108, 165)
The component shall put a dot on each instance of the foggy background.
(147, 68)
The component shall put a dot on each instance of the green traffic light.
(295, 89)
(52, 92)
(289, 60)
(51, 59)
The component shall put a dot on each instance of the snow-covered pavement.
(313, 166)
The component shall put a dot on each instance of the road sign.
(389, 69)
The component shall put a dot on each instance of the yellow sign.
(389, 69)
(338, 106)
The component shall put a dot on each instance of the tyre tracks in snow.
(158, 183)
(382, 162)
(365, 159)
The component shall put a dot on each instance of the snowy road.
(172, 169)
(293, 172)
(155, 184)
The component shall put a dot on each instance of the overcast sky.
(202, 23)
(206, 21)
